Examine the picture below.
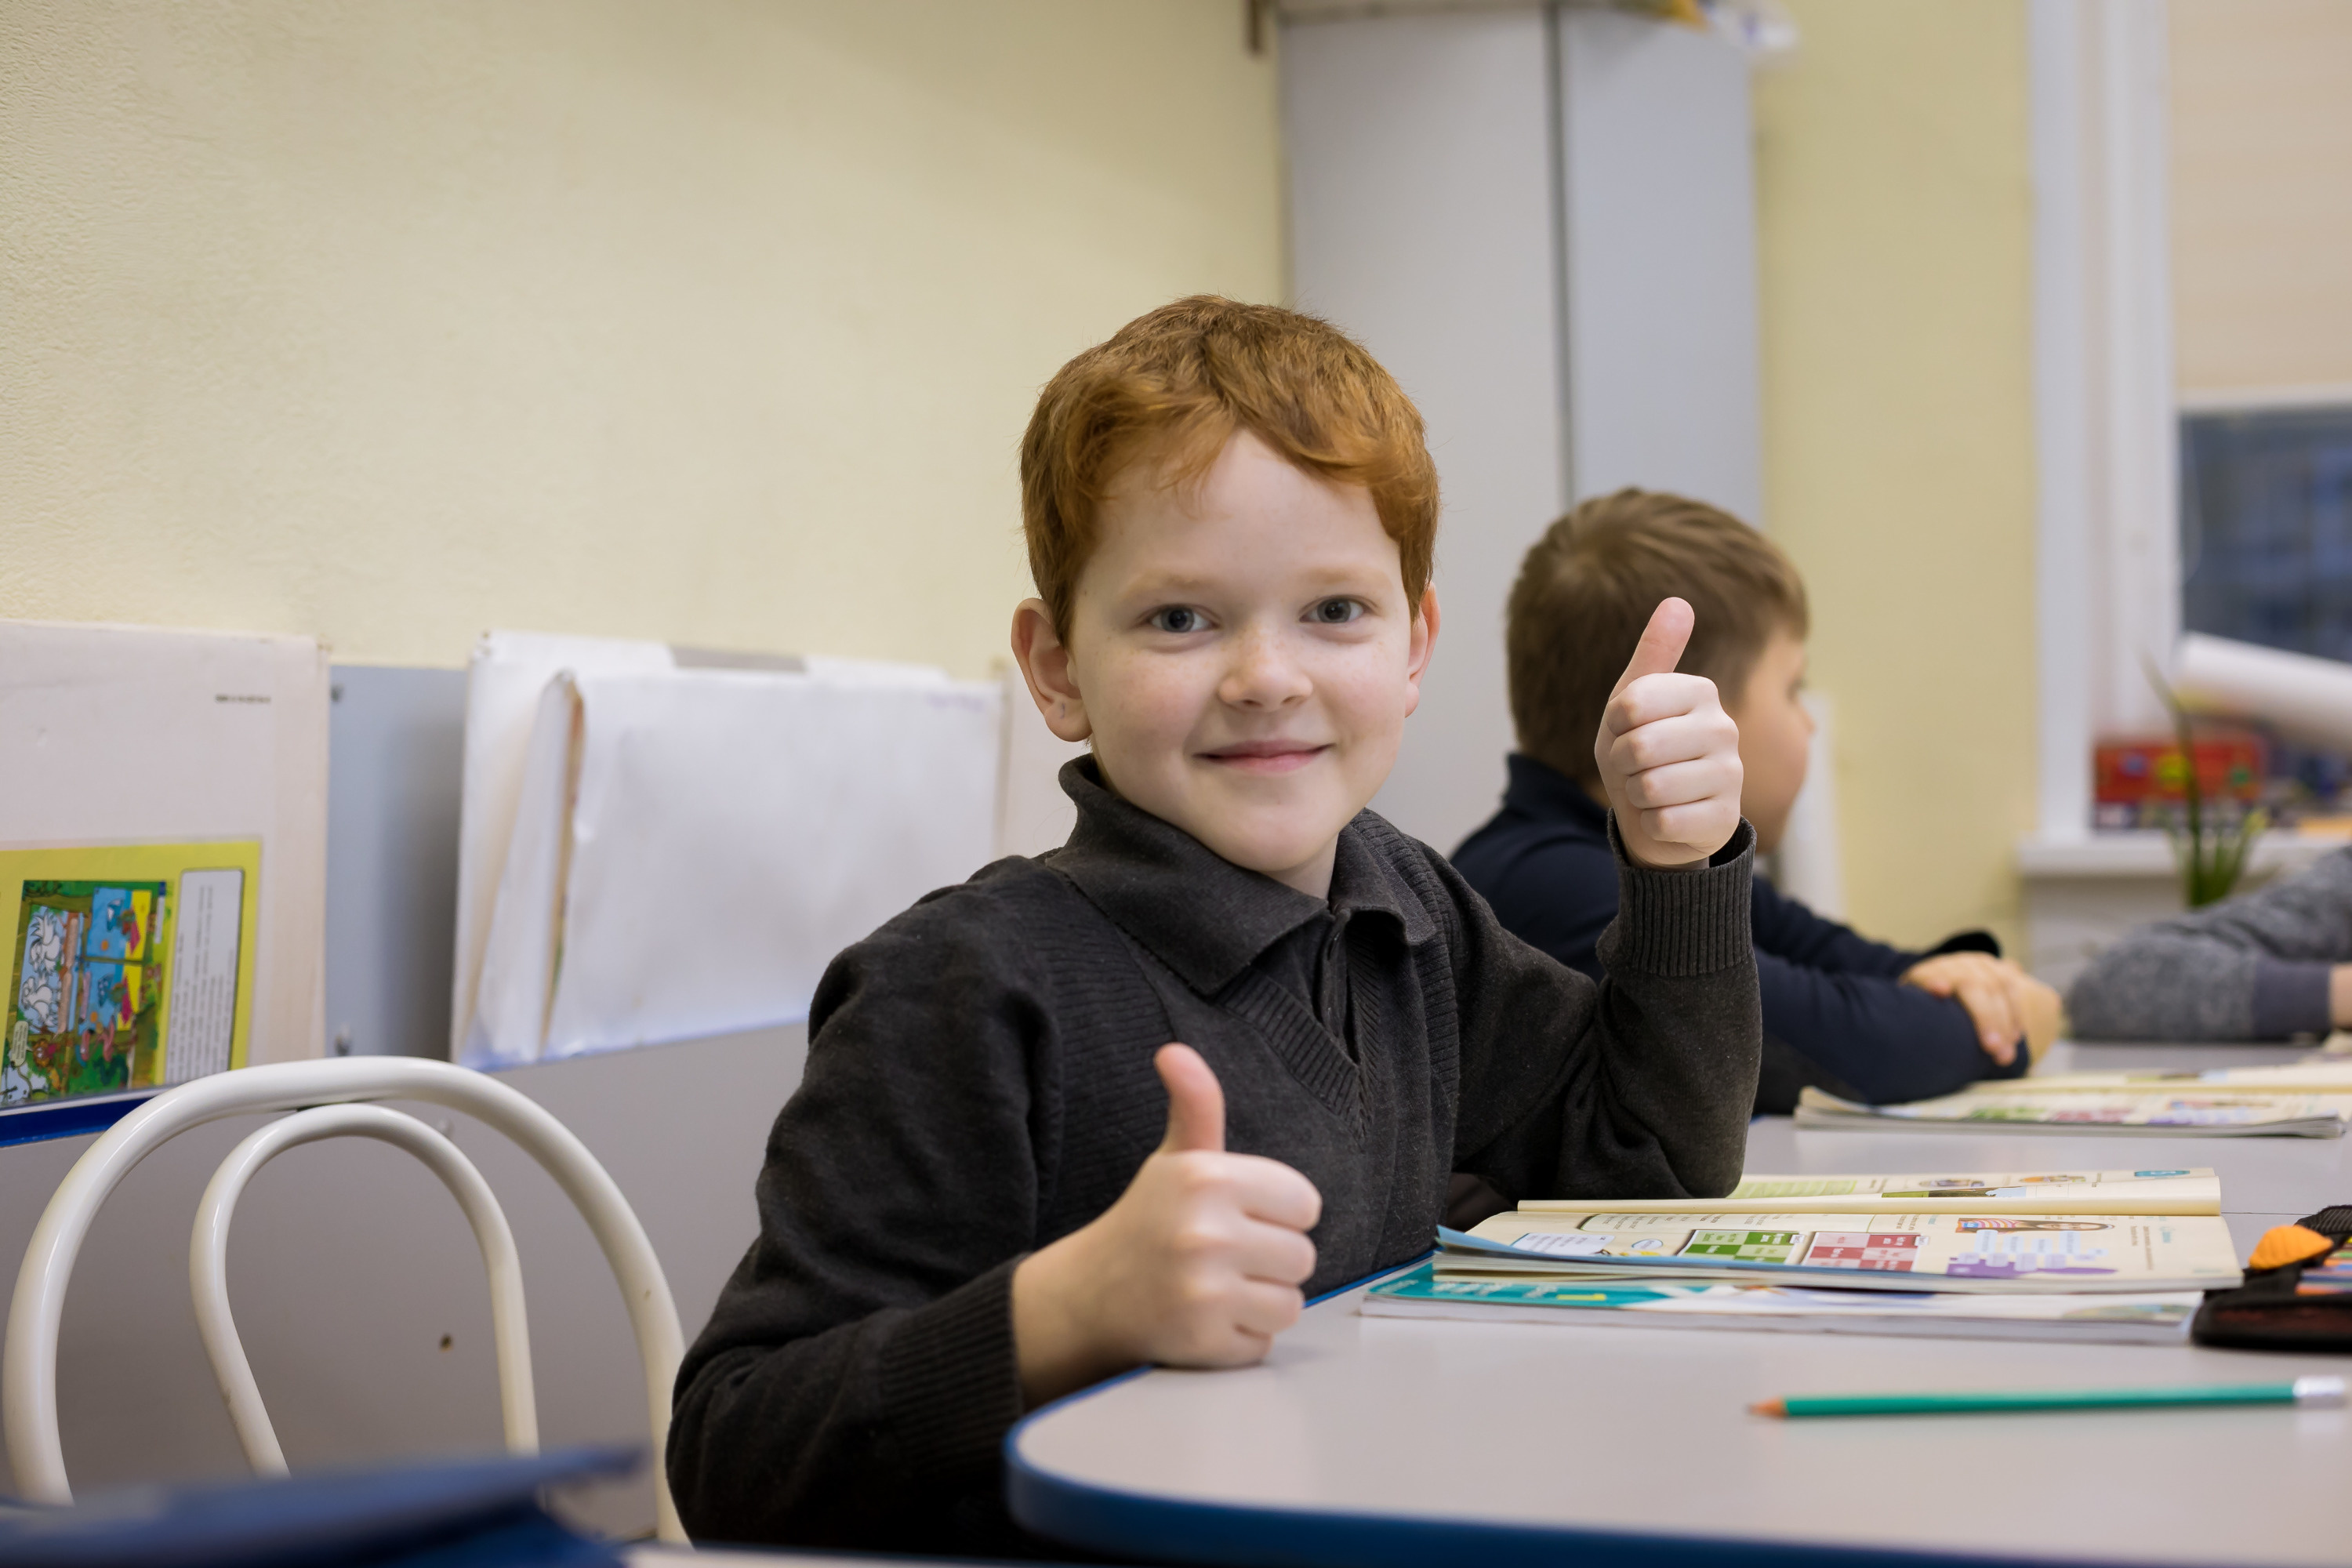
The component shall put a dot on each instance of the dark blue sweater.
(1835, 1013)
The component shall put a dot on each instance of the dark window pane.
(2266, 527)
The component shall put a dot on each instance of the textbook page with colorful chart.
(129, 966)
(2182, 1191)
(2133, 1320)
(2199, 1113)
(1938, 1251)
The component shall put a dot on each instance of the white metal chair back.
(328, 1097)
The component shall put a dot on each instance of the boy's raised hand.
(1198, 1264)
(1668, 753)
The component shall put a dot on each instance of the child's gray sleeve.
(2253, 967)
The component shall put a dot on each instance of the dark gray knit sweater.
(2250, 968)
(980, 1082)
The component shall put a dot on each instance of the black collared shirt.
(1836, 1014)
(979, 1083)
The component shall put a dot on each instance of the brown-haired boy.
(1853, 1017)
(1000, 1180)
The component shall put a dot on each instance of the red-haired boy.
(1000, 1179)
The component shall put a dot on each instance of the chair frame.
(29, 1372)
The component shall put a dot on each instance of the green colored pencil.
(2302, 1391)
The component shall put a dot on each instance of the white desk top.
(1372, 1440)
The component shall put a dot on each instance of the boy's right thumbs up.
(1196, 1102)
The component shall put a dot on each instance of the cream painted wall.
(715, 322)
(2261, 193)
(1895, 212)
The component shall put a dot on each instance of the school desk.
(1369, 1441)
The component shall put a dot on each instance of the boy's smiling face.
(1242, 653)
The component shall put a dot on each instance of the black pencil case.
(2274, 1310)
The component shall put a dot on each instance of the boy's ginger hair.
(1592, 582)
(1175, 384)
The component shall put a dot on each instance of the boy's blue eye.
(1338, 612)
(1176, 618)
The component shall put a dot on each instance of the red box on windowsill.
(2230, 766)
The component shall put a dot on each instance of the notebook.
(2125, 1320)
(2220, 1113)
(2178, 1191)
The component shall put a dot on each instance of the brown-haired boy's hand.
(2006, 1005)
(1198, 1264)
(1668, 753)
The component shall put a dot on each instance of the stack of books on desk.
(2296, 1100)
(2115, 1255)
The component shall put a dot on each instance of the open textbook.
(2111, 1318)
(2220, 1111)
(2166, 1192)
(1943, 1250)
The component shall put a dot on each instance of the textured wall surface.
(714, 321)
(1896, 220)
(2261, 202)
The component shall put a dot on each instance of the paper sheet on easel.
(691, 848)
(2306, 697)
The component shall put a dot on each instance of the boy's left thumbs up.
(1667, 752)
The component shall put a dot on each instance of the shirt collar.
(1196, 912)
(1543, 792)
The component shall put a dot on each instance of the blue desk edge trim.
(66, 1118)
(1136, 1524)
(97, 1112)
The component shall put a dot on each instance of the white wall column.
(1421, 221)
(1659, 193)
(1542, 221)
(2105, 414)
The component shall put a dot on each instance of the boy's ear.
(1046, 665)
(1423, 644)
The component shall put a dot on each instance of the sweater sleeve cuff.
(1684, 921)
(2290, 998)
(951, 1380)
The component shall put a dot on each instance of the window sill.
(2148, 854)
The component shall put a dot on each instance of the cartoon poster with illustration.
(130, 966)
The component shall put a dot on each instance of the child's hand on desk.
(1198, 1264)
(1668, 753)
(2004, 1003)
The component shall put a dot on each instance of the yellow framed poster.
(130, 966)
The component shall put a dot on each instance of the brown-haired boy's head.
(1591, 584)
(1231, 516)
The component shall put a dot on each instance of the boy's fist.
(1198, 1264)
(1668, 753)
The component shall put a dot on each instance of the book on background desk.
(1942, 1251)
(2187, 1191)
(2136, 1319)
(2326, 1075)
(2222, 1112)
